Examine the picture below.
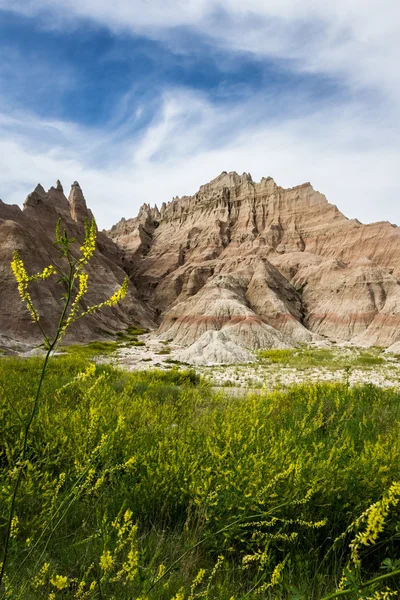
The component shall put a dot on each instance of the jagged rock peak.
(147, 213)
(77, 203)
(45, 206)
(39, 189)
(229, 180)
(35, 197)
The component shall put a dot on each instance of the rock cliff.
(240, 265)
(31, 231)
(265, 265)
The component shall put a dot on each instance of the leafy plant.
(73, 277)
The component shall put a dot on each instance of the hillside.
(262, 266)
(240, 265)
(31, 231)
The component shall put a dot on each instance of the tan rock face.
(238, 265)
(31, 231)
(274, 266)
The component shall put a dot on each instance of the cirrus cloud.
(327, 109)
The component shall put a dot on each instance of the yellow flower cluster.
(59, 581)
(23, 279)
(112, 301)
(89, 245)
(118, 295)
(277, 573)
(383, 595)
(375, 516)
(125, 551)
(41, 577)
(106, 560)
(47, 271)
(276, 577)
(14, 527)
(196, 582)
(83, 287)
(161, 571)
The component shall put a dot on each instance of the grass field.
(152, 485)
(330, 358)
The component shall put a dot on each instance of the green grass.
(134, 343)
(260, 480)
(172, 361)
(135, 331)
(92, 349)
(333, 359)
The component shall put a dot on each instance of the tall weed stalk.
(73, 277)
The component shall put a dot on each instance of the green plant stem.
(67, 301)
(362, 586)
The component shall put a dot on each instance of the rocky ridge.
(256, 265)
(31, 231)
(238, 266)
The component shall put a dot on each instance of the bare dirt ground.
(335, 364)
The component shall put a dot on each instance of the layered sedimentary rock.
(240, 265)
(31, 231)
(267, 266)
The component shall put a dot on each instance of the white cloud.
(335, 150)
(349, 152)
(356, 38)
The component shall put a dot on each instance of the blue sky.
(141, 101)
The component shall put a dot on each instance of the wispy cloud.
(326, 109)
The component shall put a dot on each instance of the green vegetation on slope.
(127, 338)
(304, 358)
(150, 485)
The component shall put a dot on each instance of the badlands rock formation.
(238, 266)
(257, 266)
(31, 231)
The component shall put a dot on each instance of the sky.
(144, 100)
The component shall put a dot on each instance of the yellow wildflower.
(14, 527)
(41, 577)
(83, 288)
(21, 276)
(375, 516)
(119, 294)
(23, 279)
(277, 573)
(112, 301)
(89, 245)
(59, 581)
(196, 582)
(383, 595)
(161, 571)
(45, 274)
(106, 560)
(80, 592)
(130, 566)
